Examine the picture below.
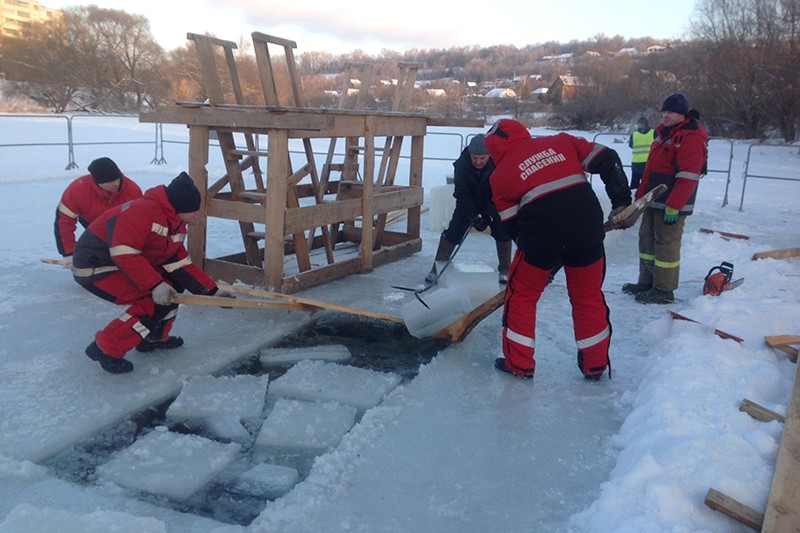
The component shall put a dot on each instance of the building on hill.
(501, 92)
(564, 88)
(17, 15)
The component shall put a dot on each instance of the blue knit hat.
(677, 103)
(183, 194)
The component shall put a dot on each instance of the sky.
(322, 25)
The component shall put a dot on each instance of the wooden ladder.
(232, 156)
(302, 243)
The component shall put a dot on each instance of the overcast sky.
(339, 27)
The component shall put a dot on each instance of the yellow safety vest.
(641, 146)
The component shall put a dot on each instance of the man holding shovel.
(134, 255)
(474, 208)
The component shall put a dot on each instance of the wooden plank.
(457, 122)
(274, 207)
(725, 234)
(736, 510)
(257, 119)
(218, 301)
(318, 304)
(777, 254)
(719, 333)
(783, 505)
(759, 412)
(782, 342)
(460, 328)
(198, 159)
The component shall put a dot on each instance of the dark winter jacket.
(677, 158)
(472, 188)
(144, 240)
(84, 201)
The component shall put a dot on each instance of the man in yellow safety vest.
(640, 141)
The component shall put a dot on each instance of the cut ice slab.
(266, 481)
(26, 517)
(169, 464)
(225, 427)
(333, 352)
(478, 280)
(321, 380)
(207, 397)
(445, 305)
(308, 426)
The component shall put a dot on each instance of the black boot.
(503, 260)
(635, 288)
(645, 282)
(148, 344)
(443, 254)
(655, 296)
(500, 364)
(113, 365)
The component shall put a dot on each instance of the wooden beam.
(726, 235)
(718, 332)
(459, 329)
(783, 342)
(777, 254)
(783, 505)
(309, 303)
(218, 301)
(736, 510)
(759, 412)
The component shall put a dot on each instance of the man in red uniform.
(547, 204)
(134, 255)
(87, 198)
(678, 159)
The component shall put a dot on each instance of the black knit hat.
(477, 146)
(677, 103)
(183, 195)
(104, 170)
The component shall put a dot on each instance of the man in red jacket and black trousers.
(134, 255)
(87, 198)
(547, 204)
(678, 159)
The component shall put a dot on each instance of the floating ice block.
(446, 306)
(208, 396)
(310, 426)
(333, 352)
(322, 380)
(266, 481)
(169, 464)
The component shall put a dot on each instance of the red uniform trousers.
(590, 314)
(142, 318)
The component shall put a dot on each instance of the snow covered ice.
(305, 425)
(460, 447)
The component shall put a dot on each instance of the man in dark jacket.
(548, 206)
(474, 208)
(677, 158)
(134, 255)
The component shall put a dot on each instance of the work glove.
(670, 216)
(162, 293)
(479, 222)
(67, 262)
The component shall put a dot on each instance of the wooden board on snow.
(460, 328)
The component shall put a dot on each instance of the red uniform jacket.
(144, 240)
(83, 201)
(677, 158)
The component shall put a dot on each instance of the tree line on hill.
(740, 69)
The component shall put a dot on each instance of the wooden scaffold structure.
(303, 209)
